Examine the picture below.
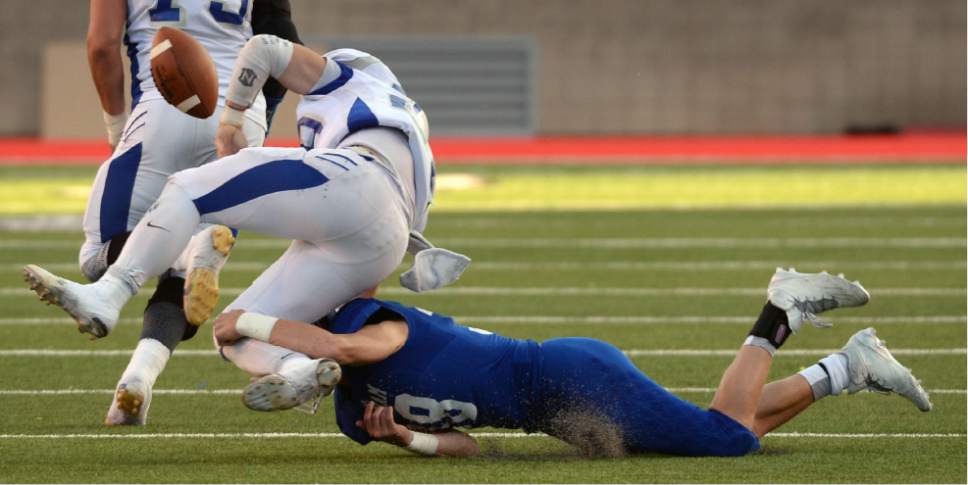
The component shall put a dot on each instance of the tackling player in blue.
(410, 377)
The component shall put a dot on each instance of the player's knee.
(95, 258)
(730, 438)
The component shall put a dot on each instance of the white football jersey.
(221, 26)
(367, 94)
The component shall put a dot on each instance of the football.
(184, 72)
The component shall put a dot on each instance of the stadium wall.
(604, 66)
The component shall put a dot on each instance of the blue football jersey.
(445, 375)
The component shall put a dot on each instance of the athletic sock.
(770, 330)
(147, 362)
(114, 290)
(258, 358)
(828, 377)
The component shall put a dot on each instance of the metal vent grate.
(467, 87)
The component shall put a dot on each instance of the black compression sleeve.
(274, 17)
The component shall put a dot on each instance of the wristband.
(232, 116)
(115, 126)
(423, 443)
(255, 325)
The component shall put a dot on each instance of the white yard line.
(136, 436)
(577, 291)
(488, 320)
(629, 352)
(236, 392)
(602, 243)
(621, 266)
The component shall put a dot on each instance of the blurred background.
(630, 170)
(578, 67)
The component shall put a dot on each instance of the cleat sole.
(50, 293)
(201, 285)
(129, 403)
(270, 393)
(222, 240)
(201, 295)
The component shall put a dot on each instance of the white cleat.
(130, 404)
(201, 280)
(84, 303)
(803, 295)
(276, 392)
(871, 366)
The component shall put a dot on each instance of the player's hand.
(224, 327)
(229, 139)
(378, 423)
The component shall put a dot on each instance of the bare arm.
(379, 424)
(372, 343)
(104, 34)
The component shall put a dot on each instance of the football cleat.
(871, 366)
(86, 304)
(278, 392)
(803, 295)
(201, 281)
(130, 404)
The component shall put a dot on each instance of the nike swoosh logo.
(157, 227)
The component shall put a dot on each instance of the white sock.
(147, 362)
(258, 358)
(836, 365)
(760, 342)
(828, 377)
(114, 290)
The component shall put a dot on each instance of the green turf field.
(660, 273)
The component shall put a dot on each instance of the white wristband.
(255, 325)
(423, 443)
(115, 126)
(232, 116)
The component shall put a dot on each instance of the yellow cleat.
(213, 246)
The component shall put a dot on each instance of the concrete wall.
(625, 66)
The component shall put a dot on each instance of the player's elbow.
(101, 47)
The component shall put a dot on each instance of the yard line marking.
(629, 352)
(576, 291)
(487, 320)
(136, 436)
(235, 392)
(605, 242)
(510, 266)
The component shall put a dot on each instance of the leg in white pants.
(158, 141)
(341, 208)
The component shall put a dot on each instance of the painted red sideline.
(917, 148)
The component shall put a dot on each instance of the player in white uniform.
(156, 141)
(353, 199)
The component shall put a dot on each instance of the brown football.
(184, 72)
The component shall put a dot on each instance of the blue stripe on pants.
(268, 178)
(118, 188)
